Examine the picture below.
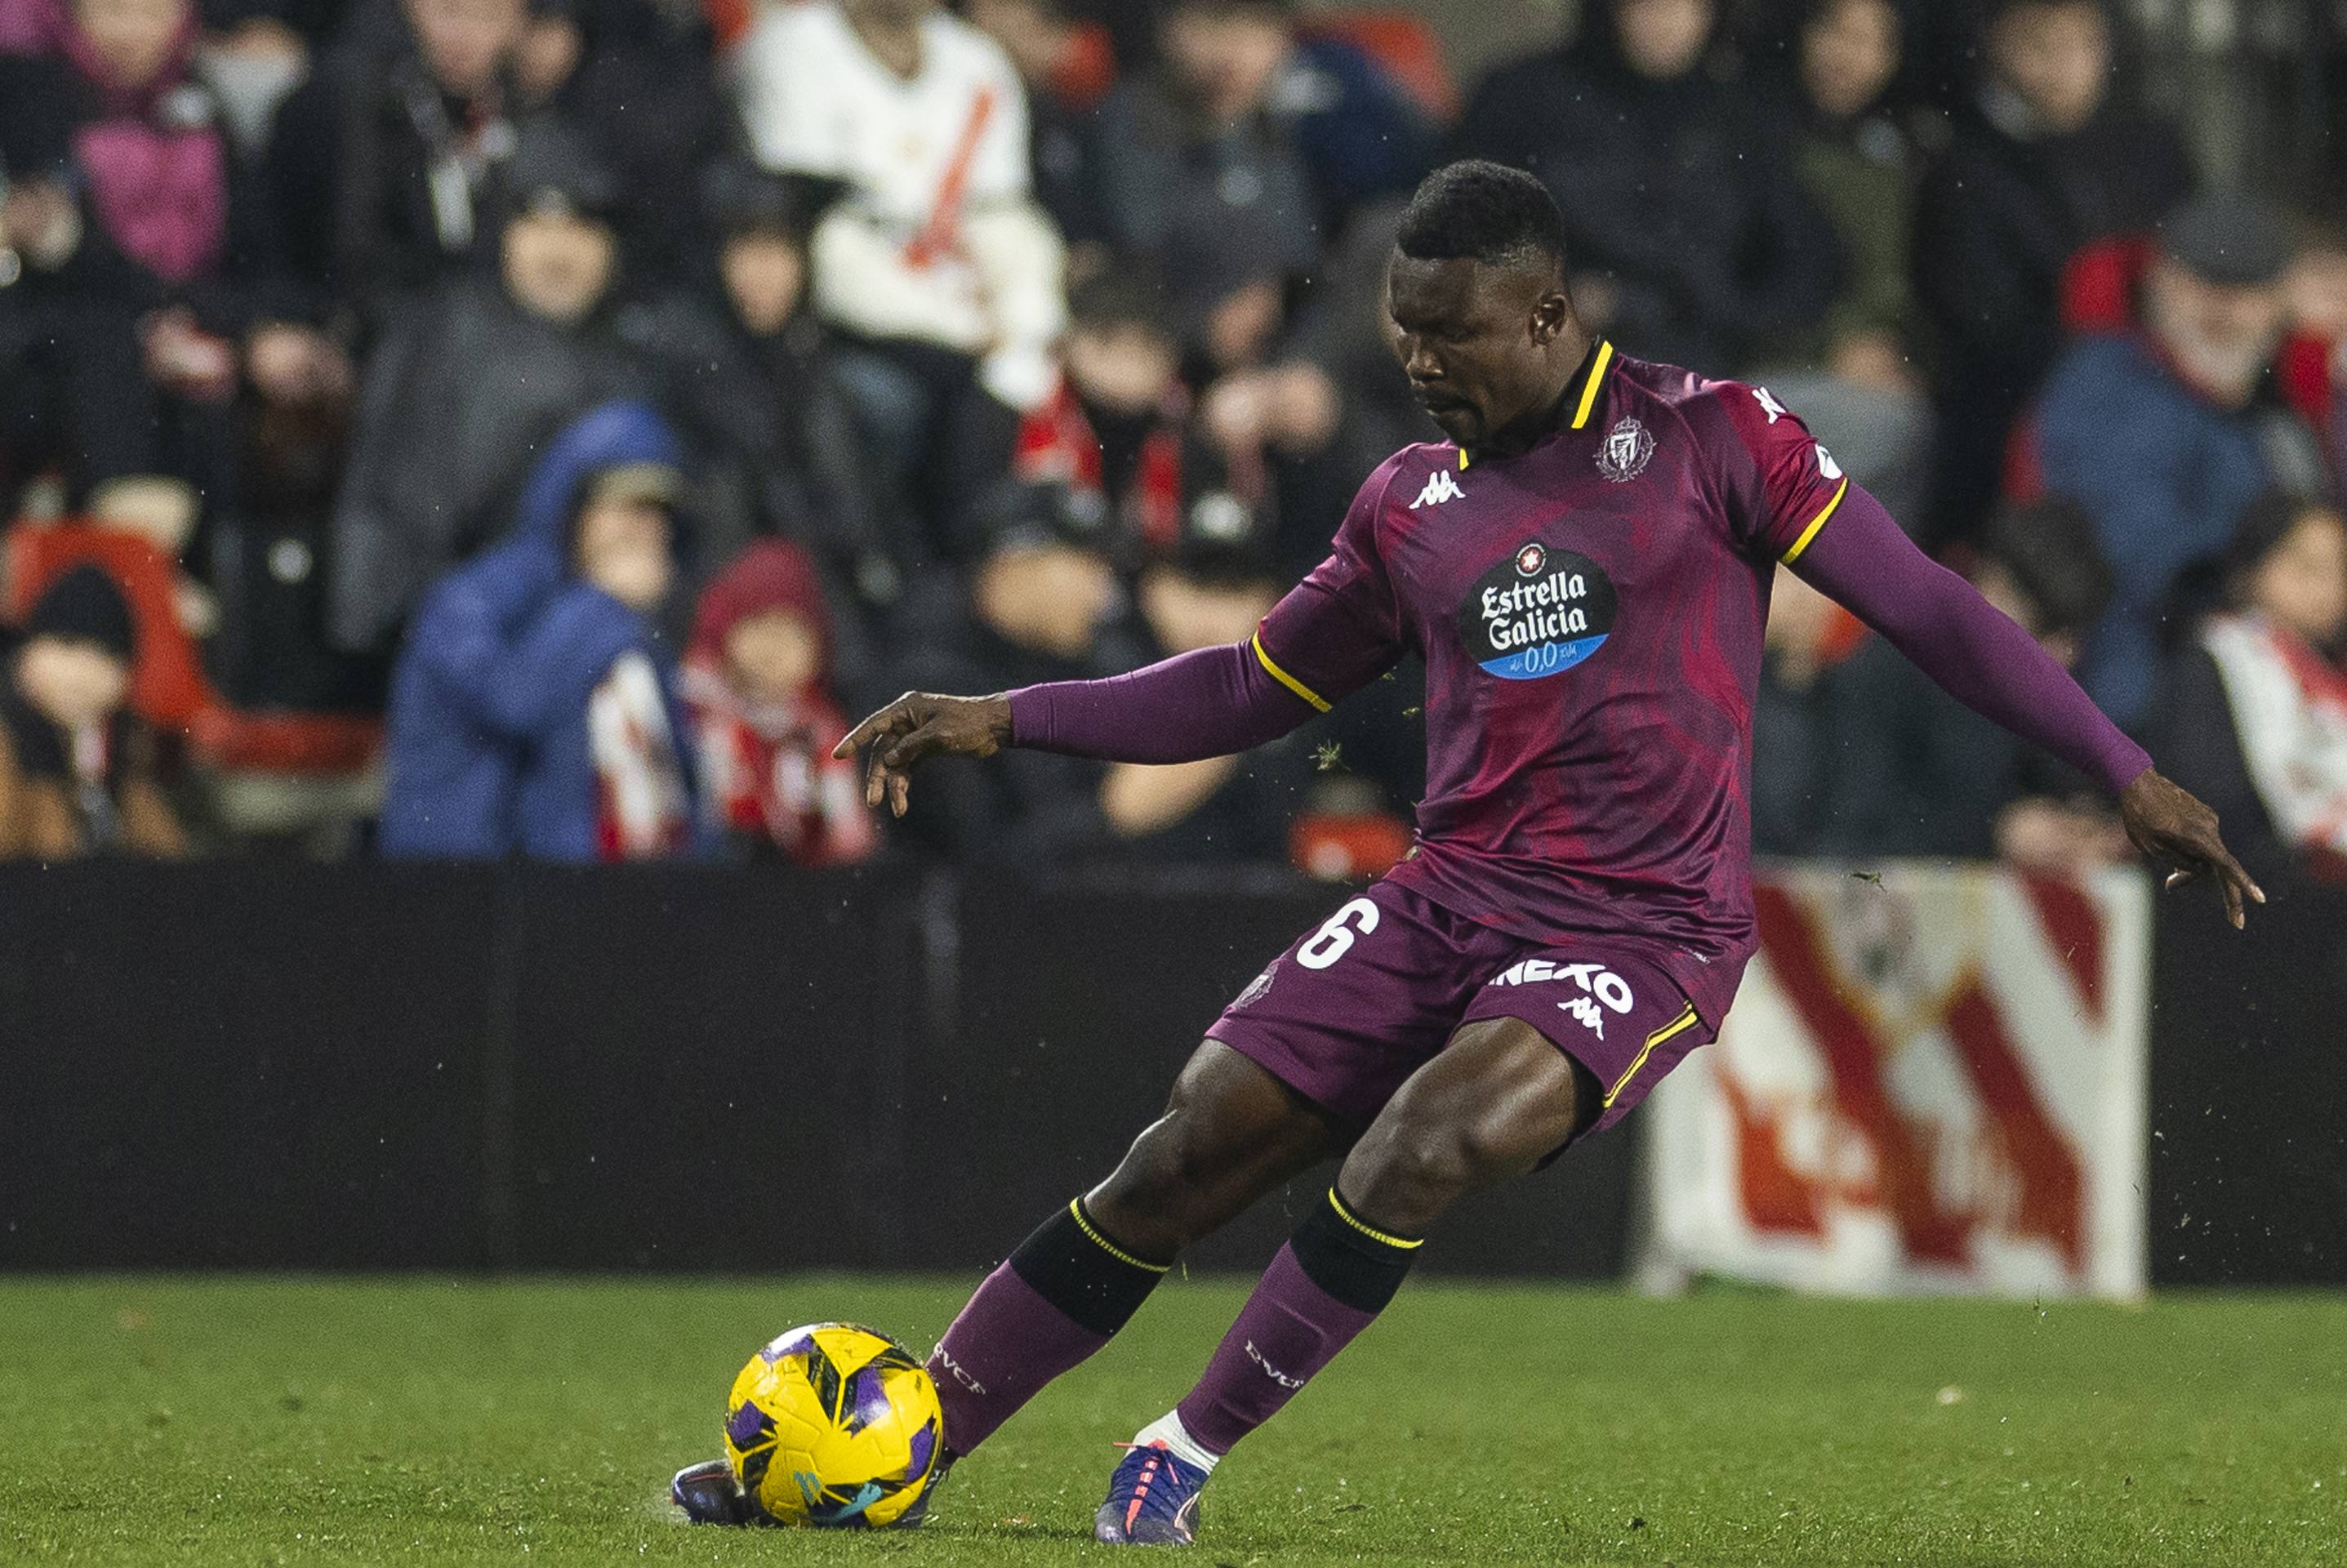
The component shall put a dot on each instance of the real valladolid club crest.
(1628, 449)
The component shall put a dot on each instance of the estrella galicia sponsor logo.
(1539, 612)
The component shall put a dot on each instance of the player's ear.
(1550, 316)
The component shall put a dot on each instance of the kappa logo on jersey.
(1539, 612)
(1440, 487)
(1628, 449)
(1768, 401)
(1826, 464)
(1598, 984)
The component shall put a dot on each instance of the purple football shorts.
(1371, 995)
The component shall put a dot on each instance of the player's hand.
(919, 724)
(2169, 825)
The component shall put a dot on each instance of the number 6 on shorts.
(1333, 940)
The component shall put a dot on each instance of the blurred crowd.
(467, 429)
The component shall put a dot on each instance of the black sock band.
(1351, 1259)
(1071, 1264)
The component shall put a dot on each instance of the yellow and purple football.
(835, 1426)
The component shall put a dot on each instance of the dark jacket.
(1021, 808)
(777, 452)
(458, 401)
(1861, 173)
(488, 753)
(383, 186)
(2164, 474)
(1678, 192)
(1917, 773)
(1998, 217)
(1214, 208)
(1360, 134)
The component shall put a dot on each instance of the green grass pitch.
(162, 1421)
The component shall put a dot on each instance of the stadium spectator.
(1067, 68)
(76, 766)
(2042, 161)
(1044, 601)
(139, 243)
(1357, 132)
(1916, 773)
(1690, 237)
(1850, 372)
(2165, 435)
(2256, 710)
(1193, 171)
(935, 262)
(1793, 739)
(2316, 287)
(534, 710)
(385, 167)
(1118, 431)
(1332, 405)
(1207, 588)
(462, 390)
(776, 446)
(757, 685)
(639, 82)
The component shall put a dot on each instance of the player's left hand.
(2171, 826)
(922, 724)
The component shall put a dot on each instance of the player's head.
(2040, 563)
(1483, 322)
(2288, 562)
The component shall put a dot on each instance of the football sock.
(1060, 1297)
(1169, 1431)
(1328, 1282)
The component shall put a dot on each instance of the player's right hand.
(922, 724)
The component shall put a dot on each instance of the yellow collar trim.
(1596, 379)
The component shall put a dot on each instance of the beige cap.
(656, 483)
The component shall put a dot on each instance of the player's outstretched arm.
(1212, 702)
(1938, 621)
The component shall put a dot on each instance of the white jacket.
(2289, 710)
(938, 239)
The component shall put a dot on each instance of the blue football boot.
(1152, 1500)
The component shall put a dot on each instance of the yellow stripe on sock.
(1285, 679)
(1076, 1208)
(1679, 1025)
(1815, 524)
(1371, 1231)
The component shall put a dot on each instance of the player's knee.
(1151, 1199)
(1424, 1157)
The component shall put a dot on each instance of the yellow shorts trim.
(1679, 1025)
(1076, 1208)
(1285, 679)
(1371, 1231)
(1815, 524)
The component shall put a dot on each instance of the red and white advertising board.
(1931, 1082)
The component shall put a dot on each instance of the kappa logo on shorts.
(1598, 984)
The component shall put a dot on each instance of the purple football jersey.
(1589, 614)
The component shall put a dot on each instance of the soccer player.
(1585, 567)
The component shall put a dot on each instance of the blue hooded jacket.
(488, 751)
